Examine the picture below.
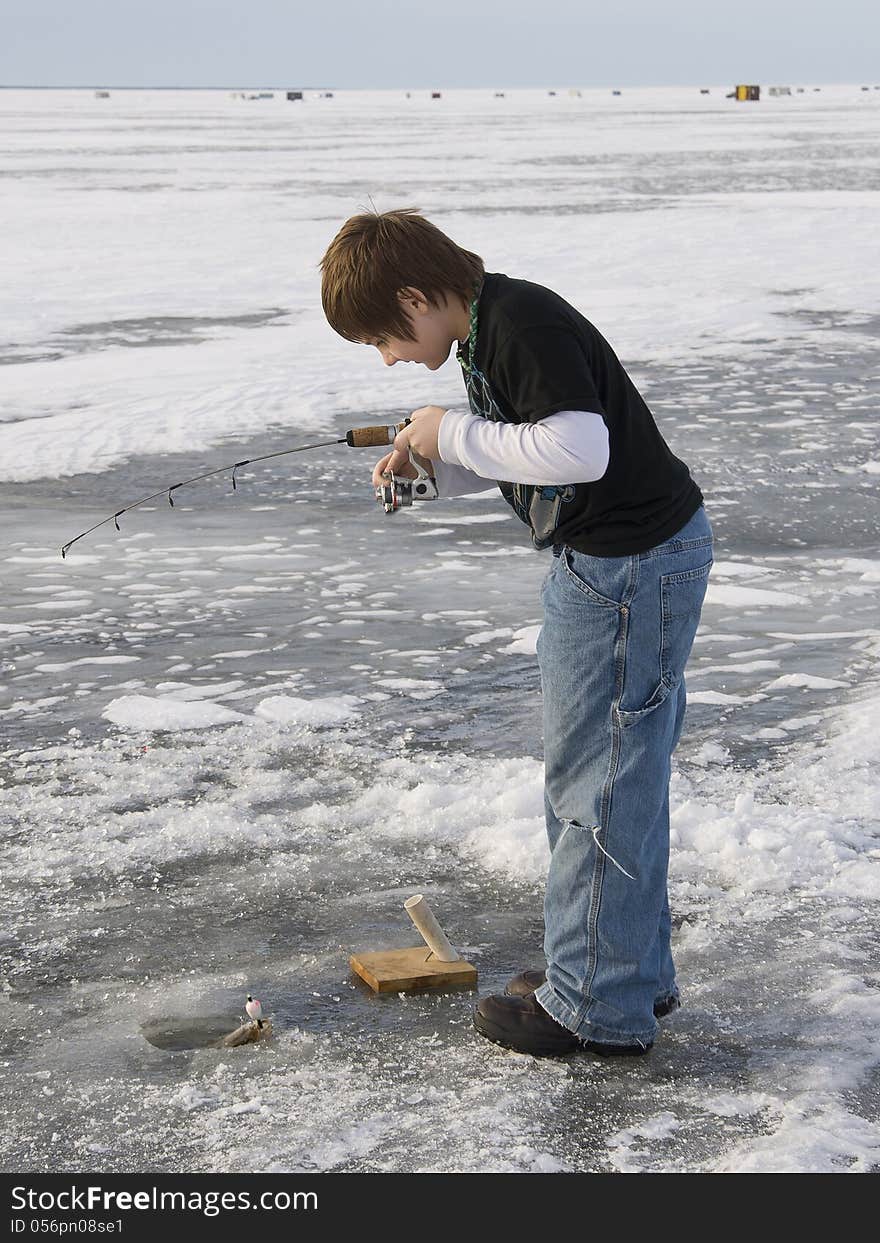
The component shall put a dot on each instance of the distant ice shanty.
(778, 90)
(747, 92)
(294, 95)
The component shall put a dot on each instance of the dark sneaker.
(527, 981)
(523, 1024)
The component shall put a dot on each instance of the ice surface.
(163, 852)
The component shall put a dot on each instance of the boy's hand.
(394, 461)
(422, 433)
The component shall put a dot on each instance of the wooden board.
(395, 971)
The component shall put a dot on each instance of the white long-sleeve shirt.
(568, 447)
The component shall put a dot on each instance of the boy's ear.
(411, 299)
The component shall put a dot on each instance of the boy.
(556, 423)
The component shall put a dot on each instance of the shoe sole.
(617, 1050)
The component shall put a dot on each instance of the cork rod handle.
(364, 437)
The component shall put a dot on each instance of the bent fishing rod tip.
(357, 438)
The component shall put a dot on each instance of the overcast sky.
(389, 43)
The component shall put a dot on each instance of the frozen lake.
(237, 734)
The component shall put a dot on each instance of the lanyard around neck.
(465, 352)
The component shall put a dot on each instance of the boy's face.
(435, 329)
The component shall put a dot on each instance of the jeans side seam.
(607, 790)
(593, 937)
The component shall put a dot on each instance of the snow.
(247, 247)
(291, 710)
(524, 640)
(805, 679)
(85, 660)
(715, 697)
(164, 713)
(749, 597)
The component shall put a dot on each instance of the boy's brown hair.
(375, 255)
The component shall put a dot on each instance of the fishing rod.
(394, 493)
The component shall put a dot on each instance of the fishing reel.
(396, 491)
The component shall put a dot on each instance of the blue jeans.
(616, 636)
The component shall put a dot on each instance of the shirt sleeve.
(455, 480)
(571, 446)
(544, 369)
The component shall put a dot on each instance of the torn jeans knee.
(595, 829)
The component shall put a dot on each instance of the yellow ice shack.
(748, 92)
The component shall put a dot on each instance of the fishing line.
(358, 437)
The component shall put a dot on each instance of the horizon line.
(98, 86)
